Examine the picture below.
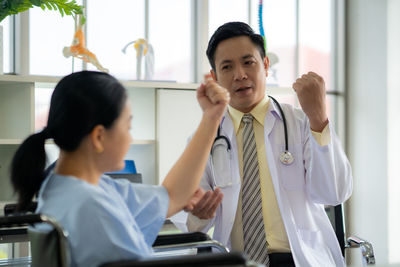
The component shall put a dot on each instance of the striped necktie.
(255, 243)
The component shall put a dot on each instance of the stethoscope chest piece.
(286, 158)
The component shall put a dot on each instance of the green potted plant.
(12, 7)
(65, 7)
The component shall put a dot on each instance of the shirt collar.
(258, 112)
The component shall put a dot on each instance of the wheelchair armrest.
(11, 208)
(14, 228)
(218, 259)
(367, 250)
(181, 241)
(172, 239)
(19, 220)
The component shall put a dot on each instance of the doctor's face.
(241, 70)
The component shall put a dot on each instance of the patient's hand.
(212, 98)
(204, 204)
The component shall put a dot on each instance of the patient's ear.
(97, 138)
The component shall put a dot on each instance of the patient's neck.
(79, 165)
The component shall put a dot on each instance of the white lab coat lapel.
(231, 194)
(272, 119)
(273, 145)
(269, 123)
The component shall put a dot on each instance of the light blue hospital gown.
(113, 221)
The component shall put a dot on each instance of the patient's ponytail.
(80, 102)
(27, 168)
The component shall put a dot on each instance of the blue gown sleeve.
(148, 204)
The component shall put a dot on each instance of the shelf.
(143, 142)
(19, 141)
(152, 104)
(42, 80)
(28, 79)
(135, 142)
(10, 141)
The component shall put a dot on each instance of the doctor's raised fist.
(212, 98)
(310, 90)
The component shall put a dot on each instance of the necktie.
(255, 243)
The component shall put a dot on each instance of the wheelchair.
(49, 246)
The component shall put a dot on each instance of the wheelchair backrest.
(49, 246)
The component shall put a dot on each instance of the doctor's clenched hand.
(212, 98)
(310, 90)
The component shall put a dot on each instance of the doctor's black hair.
(231, 30)
(80, 101)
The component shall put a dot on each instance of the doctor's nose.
(240, 74)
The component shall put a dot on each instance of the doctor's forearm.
(330, 179)
(183, 179)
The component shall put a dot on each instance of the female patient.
(107, 219)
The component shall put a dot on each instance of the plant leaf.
(48, 6)
(36, 2)
(65, 7)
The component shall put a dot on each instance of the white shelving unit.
(17, 121)
(165, 114)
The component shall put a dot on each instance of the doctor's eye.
(226, 67)
(249, 62)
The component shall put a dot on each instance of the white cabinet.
(16, 122)
(150, 117)
(178, 115)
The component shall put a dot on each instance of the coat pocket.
(313, 238)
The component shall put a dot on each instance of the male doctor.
(288, 199)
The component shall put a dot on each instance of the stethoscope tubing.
(284, 122)
(286, 157)
(284, 127)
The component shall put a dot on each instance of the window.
(109, 28)
(315, 38)
(5, 45)
(49, 33)
(169, 33)
(300, 40)
(279, 21)
(218, 14)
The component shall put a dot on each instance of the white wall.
(373, 71)
(393, 109)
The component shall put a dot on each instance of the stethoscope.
(285, 158)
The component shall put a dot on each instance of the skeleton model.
(78, 48)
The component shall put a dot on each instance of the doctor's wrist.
(318, 125)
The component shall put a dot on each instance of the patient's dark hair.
(80, 101)
(231, 30)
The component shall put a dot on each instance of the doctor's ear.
(213, 75)
(266, 65)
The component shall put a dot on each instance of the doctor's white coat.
(319, 175)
